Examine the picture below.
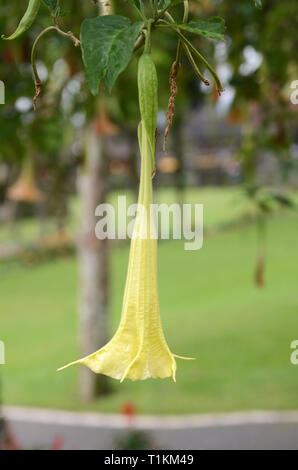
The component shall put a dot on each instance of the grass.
(221, 207)
(211, 310)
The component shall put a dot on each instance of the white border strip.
(115, 421)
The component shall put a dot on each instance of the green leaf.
(258, 4)
(167, 3)
(107, 47)
(51, 4)
(213, 28)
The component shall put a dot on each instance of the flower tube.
(138, 349)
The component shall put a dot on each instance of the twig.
(220, 88)
(194, 66)
(37, 82)
(173, 82)
(140, 41)
(69, 35)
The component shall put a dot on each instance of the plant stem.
(194, 66)
(148, 36)
(37, 81)
(140, 41)
(219, 85)
(185, 19)
(186, 11)
(161, 13)
(196, 52)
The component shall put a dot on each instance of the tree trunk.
(93, 261)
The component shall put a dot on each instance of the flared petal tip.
(184, 358)
(138, 374)
(143, 375)
(68, 365)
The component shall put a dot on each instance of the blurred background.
(233, 304)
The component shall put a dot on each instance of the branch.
(220, 88)
(37, 82)
(69, 35)
(140, 41)
(194, 65)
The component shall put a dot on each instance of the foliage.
(213, 28)
(262, 95)
(108, 41)
(107, 47)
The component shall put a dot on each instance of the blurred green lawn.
(222, 207)
(240, 335)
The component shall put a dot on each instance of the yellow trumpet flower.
(138, 349)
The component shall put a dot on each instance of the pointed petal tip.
(184, 358)
(62, 368)
(67, 365)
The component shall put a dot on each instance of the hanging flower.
(104, 126)
(25, 189)
(138, 349)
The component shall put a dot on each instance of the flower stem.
(194, 65)
(185, 18)
(37, 81)
(148, 37)
(196, 52)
